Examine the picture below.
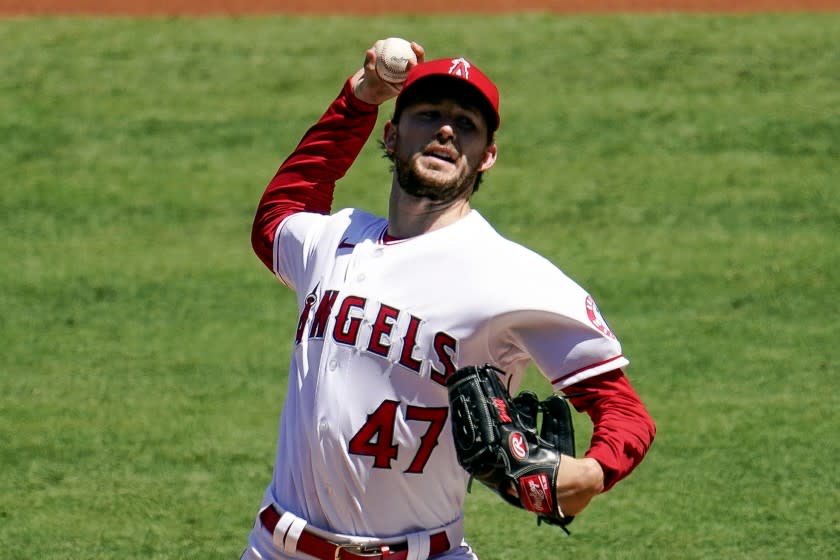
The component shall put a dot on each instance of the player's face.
(439, 148)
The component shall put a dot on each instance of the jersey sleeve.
(564, 333)
(305, 182)
(566, 350)
(307, 242)
(295, 246)
(623, 429)
(558, 326)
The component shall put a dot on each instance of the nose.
(445, 133)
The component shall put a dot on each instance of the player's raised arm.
(306, 180)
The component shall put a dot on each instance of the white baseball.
(392, 58)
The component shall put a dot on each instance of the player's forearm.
(623, 430)
(578, 481)
(306, 180)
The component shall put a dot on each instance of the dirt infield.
(241, 7)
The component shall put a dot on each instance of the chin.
(436, 175)
(441, 181)
(423, 181)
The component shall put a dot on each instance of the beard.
(436, 186)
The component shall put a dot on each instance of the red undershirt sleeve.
(623, 430)
(306, 180)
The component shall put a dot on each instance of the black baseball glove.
(497, 441)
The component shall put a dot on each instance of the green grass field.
(684, 169)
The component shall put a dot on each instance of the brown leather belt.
(319, 547)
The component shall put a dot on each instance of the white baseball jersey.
(365, 445)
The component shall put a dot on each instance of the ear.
(389, 137)
(489, 157)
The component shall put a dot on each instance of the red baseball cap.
(459, 69)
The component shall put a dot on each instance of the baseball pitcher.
(413, 335)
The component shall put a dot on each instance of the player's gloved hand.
(369, 87)
(498, 442)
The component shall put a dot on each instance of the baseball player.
(390, 307)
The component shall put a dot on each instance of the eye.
(428, 115)
(465, 123)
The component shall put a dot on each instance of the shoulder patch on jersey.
(596, 319)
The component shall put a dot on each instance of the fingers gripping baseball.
(368, 83)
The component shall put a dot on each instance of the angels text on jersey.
(379, 329)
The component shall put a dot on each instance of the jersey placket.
(356, 281)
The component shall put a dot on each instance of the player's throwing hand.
(369, 86)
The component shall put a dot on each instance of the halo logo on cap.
(460, 67)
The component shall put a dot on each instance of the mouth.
(441, 154)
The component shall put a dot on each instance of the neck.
(409, 216)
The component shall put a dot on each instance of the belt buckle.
(376, 551)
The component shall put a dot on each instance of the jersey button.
(378, 252)
(361, 277)
(332, 364)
